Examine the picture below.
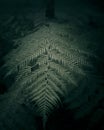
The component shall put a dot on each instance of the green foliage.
(46, 70)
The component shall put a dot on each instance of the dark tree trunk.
(50, 8)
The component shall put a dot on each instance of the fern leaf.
(48, 72)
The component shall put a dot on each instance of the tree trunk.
(50, 9)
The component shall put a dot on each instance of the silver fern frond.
(47, 69)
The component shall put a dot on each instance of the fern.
(46, 70)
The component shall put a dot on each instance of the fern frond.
(48, 72)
